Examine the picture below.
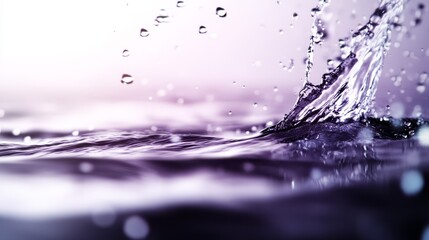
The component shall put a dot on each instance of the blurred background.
(64, 53)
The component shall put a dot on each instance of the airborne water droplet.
(127, 79)
(125, 53)
(315, 11)
(202, 30)
(180, 4)
(295, 16)
(144, 32)
(221, 12)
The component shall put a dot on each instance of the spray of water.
(347, 92)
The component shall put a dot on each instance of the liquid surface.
(329, 169)
(181, 179)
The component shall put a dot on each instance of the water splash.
(316, 36)
(61, 172)
(347, 92)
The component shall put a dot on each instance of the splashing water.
(347, 92)
(198, 175)
(316, 36)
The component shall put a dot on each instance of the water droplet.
(144, 32)
(230, 113)
(397, 80)
(163, 17)
(127, 79)
(202, 30)
(421, 88)
(180, 4)
(315, 11)
(175, 138)
(16, 132)
(86, 167)
(281, 32)
(75, 133)
(221, 12)
(423, 136)
(125, 53)
(375, 19)
(411, 182)
(275, 89)
(295, 15)
(255, 104)
(27, 139)
(136, 227)
(288, 67)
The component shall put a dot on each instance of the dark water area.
(319, 181)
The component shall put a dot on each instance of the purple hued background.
(62, 53)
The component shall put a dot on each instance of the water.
(202, 30)
(346, 92)
(329, 169)
(221, 12)
(144, 32)
(127, 79)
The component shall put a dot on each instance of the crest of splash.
(316, 36)
(347, 92)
